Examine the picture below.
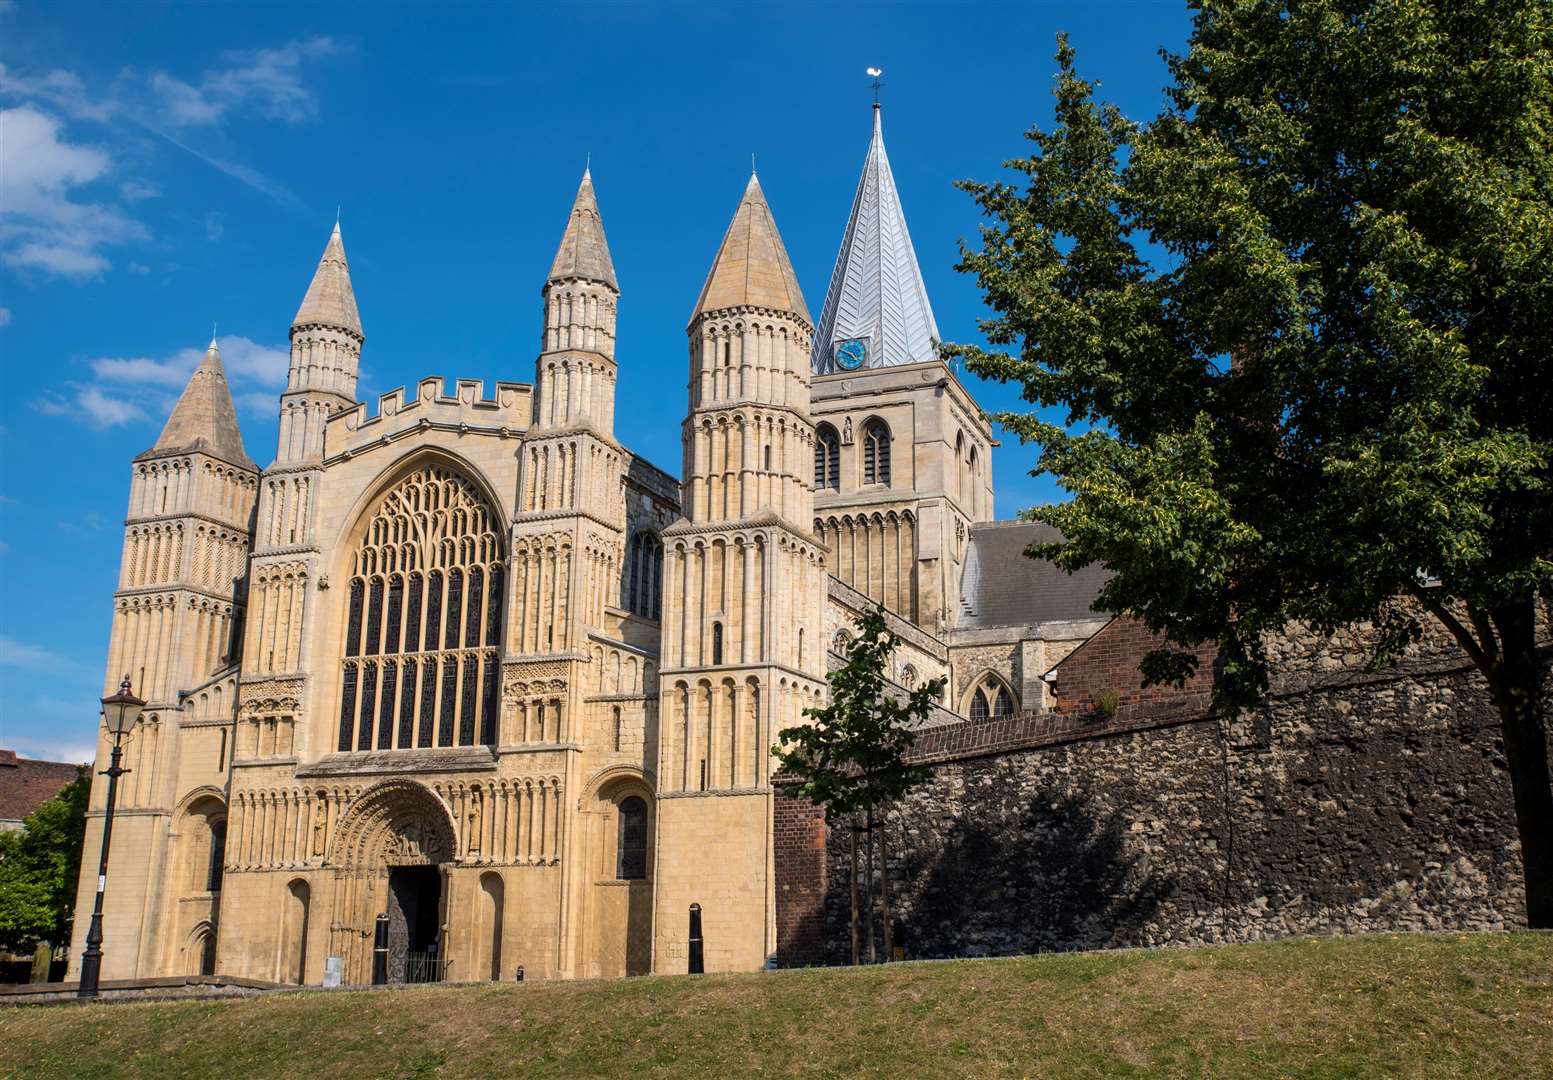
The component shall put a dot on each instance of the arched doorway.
(387, 854)
(294, 939)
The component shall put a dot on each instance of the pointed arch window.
(827, 458)
(979, 710)
(644, 574)
(424, 619)
(991, 699)
(876, 452)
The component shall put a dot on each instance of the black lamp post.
(120, 713)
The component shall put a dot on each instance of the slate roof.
(330, 299)
(876, 290)
(1002, 587)
(751, 268)
(204, 419)
(26, 785)
(584, 253)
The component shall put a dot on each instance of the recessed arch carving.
(395, 823)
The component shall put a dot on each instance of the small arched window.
(631, 842)
(1004, 706)
(827, 458)
(841, 641)
(979, 709)
(767, 458)
(717, 643)
(876, 452)
(617, 728)
(909, 677)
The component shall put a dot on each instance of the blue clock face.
(851, 355)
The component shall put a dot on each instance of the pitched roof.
(204, 418)
(876, 290)
(1003, 587)
(26, 785)
(752, 268)
(330, 300)
(584, 253)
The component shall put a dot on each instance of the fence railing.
(423, 967)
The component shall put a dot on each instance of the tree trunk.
(855, 952)
(1515, 684)
(884, 892)
(868, 858)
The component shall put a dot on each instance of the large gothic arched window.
(827, 458)
(422, 663)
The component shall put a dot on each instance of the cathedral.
(459, 687)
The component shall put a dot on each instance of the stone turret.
(744, 583)
(748, 441)
(326, 340)
(574, 378)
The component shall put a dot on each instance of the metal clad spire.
(876, 289)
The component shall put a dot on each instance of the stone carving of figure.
(318, 836)
(846, 431)
(474, 827)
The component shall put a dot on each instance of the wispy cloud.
(20, 654)
(270, 83)
(129, 390)
(5, 316)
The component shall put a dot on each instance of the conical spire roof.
(752, 268)
(204, 419)
(876, 290)
(584, 253)
(330, 300)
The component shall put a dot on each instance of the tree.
(851, 758)
(1325, 383)
(39, 869)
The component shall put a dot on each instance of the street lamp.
(119, 712)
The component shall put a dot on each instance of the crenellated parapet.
(430, 407)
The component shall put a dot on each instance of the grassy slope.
(1379, 1006)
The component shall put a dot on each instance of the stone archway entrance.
(388, 852)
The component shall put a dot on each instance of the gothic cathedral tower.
(743, 585)
(177, 618)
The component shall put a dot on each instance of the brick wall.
(1108, 662)
(799, 840)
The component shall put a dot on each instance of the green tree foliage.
(850, 760)
(39, 868)
(1327, 382)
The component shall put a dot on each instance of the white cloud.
(41, 227)
(267, 82)
(128, 390)
(5, 316)
(138, 268)
(79, 750)
(214, 226)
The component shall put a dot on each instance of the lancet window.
(423, 621)
(644, 571)
(631, 843)
(827, 458)
(876, 452)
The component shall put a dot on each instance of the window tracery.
(431, 550)
(827, 458)
(644, 563)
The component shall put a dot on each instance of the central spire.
(876, 292)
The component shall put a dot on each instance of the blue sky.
(169, 166)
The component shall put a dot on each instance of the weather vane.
(876, 72)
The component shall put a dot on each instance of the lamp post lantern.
(119, 712)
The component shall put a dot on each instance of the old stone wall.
(1352, 801)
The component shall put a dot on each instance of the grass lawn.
(1385, 1006)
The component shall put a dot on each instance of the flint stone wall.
(1353, 801)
